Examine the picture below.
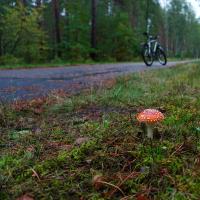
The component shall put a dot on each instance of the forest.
(41, 31)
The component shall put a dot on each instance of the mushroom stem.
(149, 131)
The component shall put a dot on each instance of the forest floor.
(90, 146)
(26, 84)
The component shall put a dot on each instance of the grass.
(61, 63)
(56, 63)
(112, 159)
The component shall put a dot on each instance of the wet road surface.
(25, 84)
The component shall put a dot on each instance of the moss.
(40, 156)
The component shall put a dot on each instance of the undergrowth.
(57, 153)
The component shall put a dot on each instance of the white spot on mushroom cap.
(150, 116)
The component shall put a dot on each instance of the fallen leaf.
(81, 140)
(25, 197)
(141, 197)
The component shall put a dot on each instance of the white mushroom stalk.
(149, 131)
(150, 117)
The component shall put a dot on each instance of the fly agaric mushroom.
(150, 117)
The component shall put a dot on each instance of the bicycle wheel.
(162, 59)
(147, 57)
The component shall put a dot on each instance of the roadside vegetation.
(90, 146)
(82, 31)
(62, 63)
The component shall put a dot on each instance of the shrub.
(10, 59)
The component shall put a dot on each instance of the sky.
(194, 4)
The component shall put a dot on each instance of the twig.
(122, 182)
(152, 153)
(127, 164)
(170, 177)
(127, 197)
(110, 184)
(35, 174)
(132, 122)
(179, 148)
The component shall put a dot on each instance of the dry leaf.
(25, 197)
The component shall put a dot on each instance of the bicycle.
(152, 50)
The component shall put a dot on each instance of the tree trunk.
(24, 3)
(21, 2)
(133, 13)
(1, 46)
(57, 26)
(93, 28)
(38, 3)
(38, 6)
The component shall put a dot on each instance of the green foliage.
(76, 44)
(21, 35)
(28, 32)
(78, 52)
(183, 29)
(123, 39)
(10, 59)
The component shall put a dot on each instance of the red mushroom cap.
(150, 116)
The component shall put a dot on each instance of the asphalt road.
(25, 84)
